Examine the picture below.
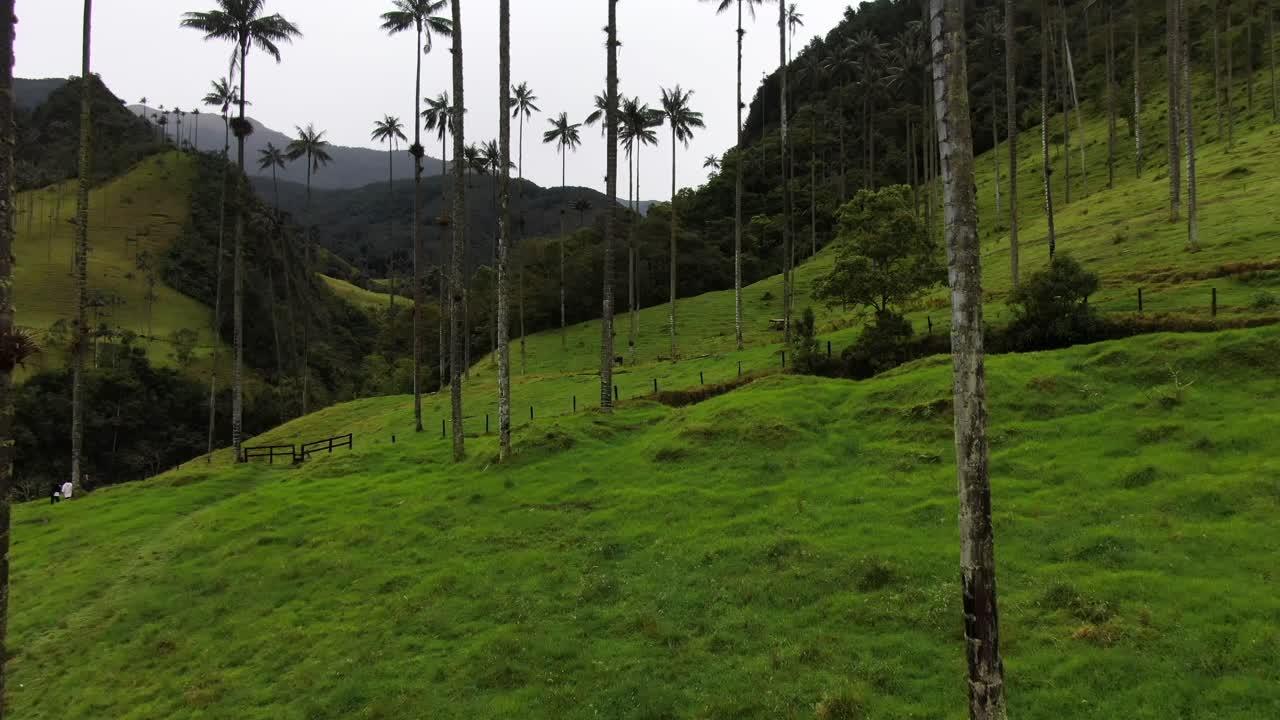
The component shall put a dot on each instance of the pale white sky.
(345, 72)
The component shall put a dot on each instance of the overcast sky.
(345, 72)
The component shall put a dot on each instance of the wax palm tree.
(566, 137)
(221, 95)
(438, 118)
(390, 130)
(814, 71)
(1011, 129)
(273, 158)
(682, 120)
(504, 227)
(196, 137)
(868, 58)
(712, 163)
(421, 17)
(598, 112)
(722, 6)
(611, 192)
(795, 20)
(459, 233)
(988, 38)
(12, 336)
(82, 235)
(1046, 170)
(311, 145)
(523, 106)
(244, 23)
(784, 115)
(637, 130)
(977, 543)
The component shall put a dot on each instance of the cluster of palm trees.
(160, 119)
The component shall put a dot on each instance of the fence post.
(530, 412)
(784, 358)
(575, 403)
(1213, 307)
(1139, 299)
(655, 386)
(393, 439)
(930, 319)
(615, 393)
(828, 348)
(701, 380)
(443, 434)
(739, 368)
(486, 423)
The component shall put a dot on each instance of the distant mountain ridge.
(352, 167)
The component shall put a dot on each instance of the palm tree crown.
(563, 133)
(438, 117)
(271, 156)
(637, 123)
(418, 15)
(310, 143)
(242, 22)
(678, 115)
(388, 129)
(523, 101)
(222, 94)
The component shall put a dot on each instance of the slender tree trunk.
(1111, 97)
(1059, 73)
(1047, 168)
(1193, 214)
(977, 538)
(995, 143)
(217, 292)
(610, 216)
(1011, 129)
(520, 255)
(237, 282)
(1231, 62)
(844, 173)
(786, 176)
(1137, 99)
(813, 185)
(1175, 140)
(7, 209)
(504, 228)
(631, 253)
(674, 220)
(459, 238)
(913, 170)
(391, 223)
(635, 260)
(306, 315)
(445, 325)
(1217, 75)
(1271, 55)
(419, 298)
(1075, 98)
(1248, 56)
(737, 199)
(564, 332)
(82, 245)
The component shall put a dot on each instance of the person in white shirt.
(67, 488)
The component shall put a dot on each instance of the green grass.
(358, 296)
(149, 203)
(744, 557)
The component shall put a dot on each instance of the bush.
(883, 345)
(1051, 308)
(1264, 301)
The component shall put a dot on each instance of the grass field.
(358, 296)
(148, 205)
(746, 557)
(785, 550)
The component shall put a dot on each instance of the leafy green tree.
(682, 120)
(183, 342)
(421, 17)
(1051, 307)
(885, 257)
(244, 23)
(566, 137)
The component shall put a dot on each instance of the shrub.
(1051, 308)
(1264, 301)
(884, 344)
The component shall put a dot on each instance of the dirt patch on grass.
(695, 395)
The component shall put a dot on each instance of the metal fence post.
(1213, 307)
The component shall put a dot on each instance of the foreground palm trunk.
(82, 250)
(7, 361)
(1193, 214)
(504, 228)
(1175, 135)
(675, 351)
(419, 297)
(960, 221)
(1046, 173)
(459, 240)
(786, 177)
(1011, 129)
(610, 217)
(217, 292)
(737, 200)
(237, 281)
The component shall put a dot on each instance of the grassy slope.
(358, 296)
(150, 202)
(740, 558)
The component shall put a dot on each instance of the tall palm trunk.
(635, 267)
(1111, 97)
(391, 223)
(786, 176)
(419, 299)
(306, 316)
(1137, 97)
(237, 281)
(1046, 169)
(459, 238)
(674, 226)
(737, 199)
(520, 255)
(504, 227)
(1248, 56)
(610, 217)
(445, 325)
(813, 185)
(82, 246)
(217, 292)
(995, 142)
(1231, 111)
(1217, 75)
(564, 160)
(1271, 61)
(1193, 213)
(1011, 129)
(977, 539)
(1175, 140)
(7, 233)
(1059, 78)
(631, 253)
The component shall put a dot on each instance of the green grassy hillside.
(149, 205)
(746, 557)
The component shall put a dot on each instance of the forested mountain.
(30, 93)
(354, 166)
